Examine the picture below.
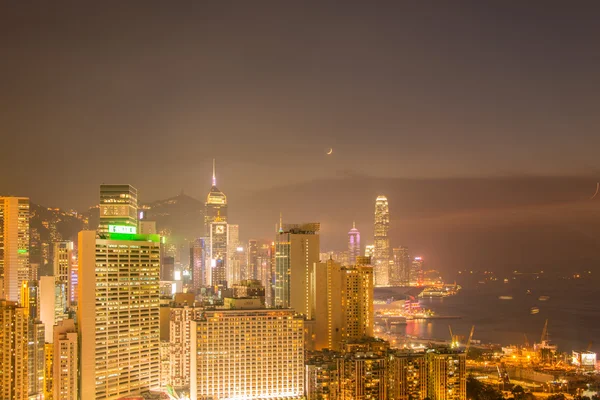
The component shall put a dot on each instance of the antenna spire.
(353, 224)
(280, 221)
(214, 177)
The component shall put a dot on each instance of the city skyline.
(299, 200)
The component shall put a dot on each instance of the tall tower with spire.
(216, 204)
(353, 244)
(381, 254)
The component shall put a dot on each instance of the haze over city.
(436, 162)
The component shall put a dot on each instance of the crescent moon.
(597, 190)
(330, 151)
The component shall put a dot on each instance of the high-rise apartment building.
(53, 303)
(247, 354)
(216, 204)
(446, 374)
(65, 361)
(363, 376)
(35, 358)
(400, 272)
(118, 207)
(14, 378)
(198, 256)
(14, 246)
(219, 243)
(407, 375)
(353, 244)
(118, 313)
(297, 250)
(381, 256)
(344, 304)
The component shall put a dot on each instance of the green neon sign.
(132, 230)
(22, 251)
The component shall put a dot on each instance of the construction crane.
(451, 336)
(544, 333)
(469, 341)
(589, 346)
(526, 340)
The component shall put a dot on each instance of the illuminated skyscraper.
(344, 304)
(118, 313)
(247, 354)
(216, 204)
(35, 358)
(234, 259)
(381, 256)
(296, 253)
(14, 348)
(265, 260)
(400, 272)
(219, 239)
(180, 318)
(14, 246)
(65, 361)
(353, 244)
(198, 257)
(370, 251)
(446, 374)
(118, 207)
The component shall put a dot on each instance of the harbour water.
(504, 313)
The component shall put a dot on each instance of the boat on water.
(505, 297)
(543, 298)
(440, 291)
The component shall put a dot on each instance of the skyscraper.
(35, 358)
(198, 257)
(416, 271)
(118, 313)
(297, 250)
(64, 369)
(14, 246)
(247, 354)
(118, 207)
(400, 272)
(344, 304)
(14, 336)
(407, 375)
(180, 318)
(63, 256)
(353, 244)
(381, 256)
(216, 204)
(253, 269)
(219, 240)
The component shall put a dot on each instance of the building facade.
(446, 374)
(198, 257)
(247, 354)
(118, 207)
(65, 361)
(297, 250)
(14, 335)
(118, 314)
(219, 244)
(400, 272)
(14, 246)
(344, 304)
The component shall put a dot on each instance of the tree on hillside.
(477, 390)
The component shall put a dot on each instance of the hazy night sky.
(148, 93)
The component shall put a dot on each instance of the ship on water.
(440, 291)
